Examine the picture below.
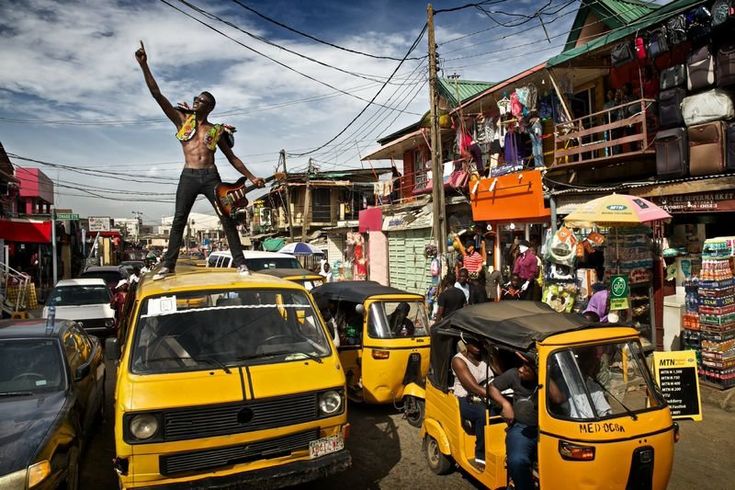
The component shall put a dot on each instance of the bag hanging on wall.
(723, 12)
(657, 42)
(712, 105)
(672, 153)
(726, 65)
(669, 107)
(676, 28)
(675, 76)
(621, 54)
(699, 25)
(707, 148)
(730, 147)
(640, 48)
(700, 69)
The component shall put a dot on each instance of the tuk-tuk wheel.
(438, 462)
(414, 409)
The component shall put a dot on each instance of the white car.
(255, 260)
(86, 301)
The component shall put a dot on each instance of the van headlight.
(330, 402)
(143, 426)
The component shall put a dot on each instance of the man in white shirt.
(463, 284)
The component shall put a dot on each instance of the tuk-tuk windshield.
(213, 329)
(602, 381)
(396, 319)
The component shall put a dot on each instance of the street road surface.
(386, 454)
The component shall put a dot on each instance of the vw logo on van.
(244, 416)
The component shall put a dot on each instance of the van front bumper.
(267, 478)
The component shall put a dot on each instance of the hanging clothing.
(512, 149)
(504, 106)
(536, 131)
(516, 108)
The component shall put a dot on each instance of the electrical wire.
(259, 53)
(370, 103)
(316, 39)
(209, 15)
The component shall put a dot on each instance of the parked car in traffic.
(52, 379)
(86, 301)
(255, 260)
(308, 279)
(226, 380)
(111, 274)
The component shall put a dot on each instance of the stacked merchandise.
(717, 312)
(697, 135)
(628, 252)
(560, 287)
(691, 334)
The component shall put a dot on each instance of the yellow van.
(226, 380)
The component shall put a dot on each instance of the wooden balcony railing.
(615, 134)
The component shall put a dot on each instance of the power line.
(316, 39)
(413, 46)
(276, 45)
(259, 53)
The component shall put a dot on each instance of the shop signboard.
(619, 292)
(676, 375)
(99, 223)
(721, 201)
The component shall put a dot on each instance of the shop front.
(27, 248)
(409, 233)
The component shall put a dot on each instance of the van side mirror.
(82, 372)
(112, 349)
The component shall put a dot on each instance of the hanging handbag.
(676, 29)
(657, 42)
(675, 76)
(699, 28)
(621, 54)
(723, 12)
(459, 179)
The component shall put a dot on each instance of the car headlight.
(330, 402)
(110, 322)
(38, 472)
(143, 426)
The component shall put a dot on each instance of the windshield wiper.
(203, 360)
(16, 393)
(628, 410)
(280, 353)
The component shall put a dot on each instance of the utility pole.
(288, 199)
(306, 214)
(437, 173)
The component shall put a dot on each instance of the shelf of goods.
(716, 313)
(628, 251)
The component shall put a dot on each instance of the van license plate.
(326, 445)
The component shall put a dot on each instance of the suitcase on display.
(726, 65)
(707, 148)
(713, 105)
(675, 76)
(700, 69)
(730, 147)
(672, 153)
(669, 108)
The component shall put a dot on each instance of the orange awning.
(512, 197)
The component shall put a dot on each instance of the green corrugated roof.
(614, 14)
(658, 16)
(457, 91)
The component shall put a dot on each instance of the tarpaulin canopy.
(25, 230)
(355, 291)
(273, 244)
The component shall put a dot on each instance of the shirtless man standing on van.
(199, 139)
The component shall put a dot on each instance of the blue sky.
(72, 93)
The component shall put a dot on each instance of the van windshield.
(215, 329)
(602, 381)
(258, 264)
(395, 319)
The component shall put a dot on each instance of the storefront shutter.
(409, 269)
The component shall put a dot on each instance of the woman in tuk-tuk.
(584, 411)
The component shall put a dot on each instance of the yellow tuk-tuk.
(602, 421)
(308, 279)
(383, 337)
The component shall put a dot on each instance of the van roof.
(253, 254)
(196, 279)
(82, 281)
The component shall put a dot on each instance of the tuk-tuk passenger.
(471, 375)
(351, 332)
(400, 324)
(522, 417)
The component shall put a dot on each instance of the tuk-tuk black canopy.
(353, 291)
(516, 325)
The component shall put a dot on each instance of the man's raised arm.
(175, 116)
(237, 163)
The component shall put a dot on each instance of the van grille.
(198, 422)
(227, 456)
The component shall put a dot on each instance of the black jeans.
(195, 181)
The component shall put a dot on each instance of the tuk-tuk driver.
(471, 377)
(522, 417)
(400, 324)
